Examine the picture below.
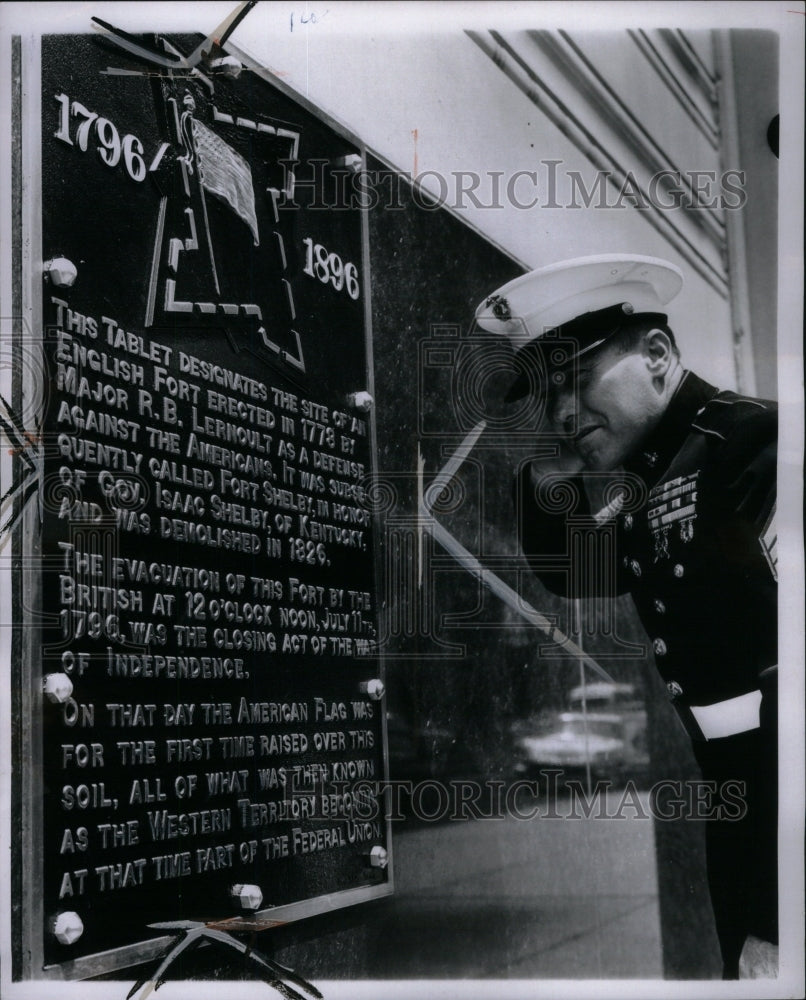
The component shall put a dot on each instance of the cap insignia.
(500, 307)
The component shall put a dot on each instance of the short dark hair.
(629, 336)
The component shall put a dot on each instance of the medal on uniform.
(672, 503)
(661, 538)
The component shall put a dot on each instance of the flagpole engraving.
(187, 131)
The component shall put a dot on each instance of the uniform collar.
(658, 450)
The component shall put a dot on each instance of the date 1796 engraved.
(109, 144)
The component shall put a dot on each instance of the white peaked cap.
(526, 308)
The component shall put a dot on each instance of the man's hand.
(758, 960)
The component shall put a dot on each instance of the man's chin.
(597, 461)
(593, 451)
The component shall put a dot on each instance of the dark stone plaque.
(207, 559)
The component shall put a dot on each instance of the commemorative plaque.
(203, 723)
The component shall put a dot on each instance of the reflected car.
(604, 696)
(613, 744)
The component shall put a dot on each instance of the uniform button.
(659, 647)
(635, 566)
(659, 606)
(625, 562)
(674, 689)
(628, 522)
(651, 458)
(678, 570)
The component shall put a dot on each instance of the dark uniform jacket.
(693, 541)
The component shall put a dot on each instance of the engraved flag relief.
(226, 174)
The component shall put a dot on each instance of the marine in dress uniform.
(691, 515)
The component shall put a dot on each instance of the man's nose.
(562, 407)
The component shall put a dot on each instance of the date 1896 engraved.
(330, 269)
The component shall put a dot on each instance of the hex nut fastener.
(360, 401)
(228, 66)
(61, 271)
(248, 897)
(352, 161)
(373, 689)
(378, 857)
(57, 687)
(67, 927)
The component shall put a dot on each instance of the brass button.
(674, 689)
(635, 566)
(659, 606)
(628, 522)
(651, 458)
(678, 570)
(659, 647)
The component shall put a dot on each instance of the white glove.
(758, 960)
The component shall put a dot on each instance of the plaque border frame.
(27, 812)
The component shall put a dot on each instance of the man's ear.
(658, 352)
